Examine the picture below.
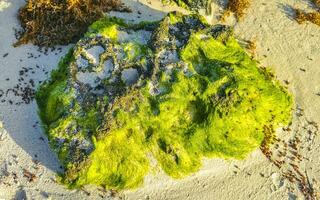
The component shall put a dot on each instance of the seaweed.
(238, 7)
(313, 17)
(316, 2)
(54, 22)
(302, 17)
(199, 94)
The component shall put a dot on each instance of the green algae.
(48, 112)
(107, 27)
(54, 98)
(218, 103)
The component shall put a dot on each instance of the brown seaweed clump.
(59, 22)
(302, 17)
(238, 7)
(316, 2)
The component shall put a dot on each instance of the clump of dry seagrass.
(313, 17)
(238, 7)
(58, 22)
(316, 2)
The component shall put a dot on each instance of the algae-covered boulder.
(131, 98)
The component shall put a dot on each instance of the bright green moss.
(134, 51)
(175, 18)
(118, 162)
(214, 102)
(107, 27)
(52, 101)
(220, 111)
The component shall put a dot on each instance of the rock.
(168, 57)
(90, 78)
(194, 5)
(129, 76)
(277, 181)
(174, 91)
(94, 53)
(45, 195)
(21, 195)
(4, 170)
(107, 69)
(292, 196)
(81, 62)
(140, 36)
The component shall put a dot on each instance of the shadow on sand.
(288, 10)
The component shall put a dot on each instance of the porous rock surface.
(102, 69)
(162, 88)
(194, 5)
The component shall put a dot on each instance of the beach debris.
(302, 69)
(286, 82)
(287, 156)
(50, 23)
(45, 194)
(179, 93)
(4, 171)
(302, 17)
(23, 92)
(316, 3)
(238, 7)
(313, 17)
(114, 193)
(251, 46)
(30, 176)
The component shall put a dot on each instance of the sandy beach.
(28, 167)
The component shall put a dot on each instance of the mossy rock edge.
(128, 99)
(193, 5)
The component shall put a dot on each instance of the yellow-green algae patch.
(211, 100)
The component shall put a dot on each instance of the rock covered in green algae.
(130, 98)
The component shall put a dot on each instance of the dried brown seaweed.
(60, 22)
(238, 7)
(316, 2)
(302, 17)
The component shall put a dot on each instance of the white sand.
(282, 44)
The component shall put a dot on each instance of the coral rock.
(172, 91)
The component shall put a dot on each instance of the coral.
(52, 22)
(131, 98)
